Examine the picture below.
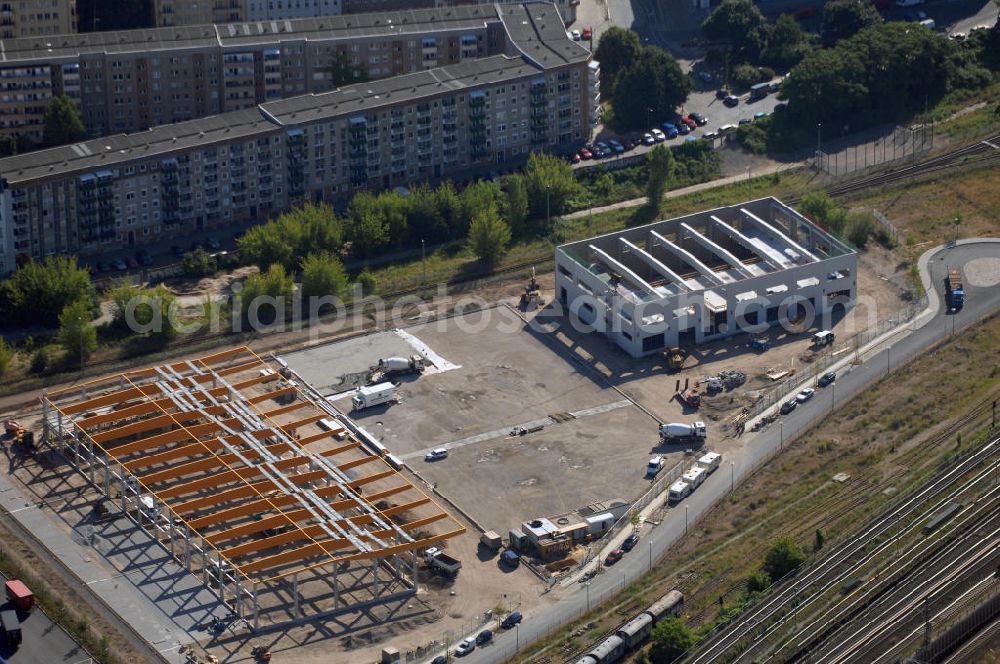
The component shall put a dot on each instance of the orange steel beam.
(111, 399)
(238, 474)
(273, 394)
(151, 423)
(312, 438)
(284, 410)
(275, 511)
(244, 491)
(265, 505)
(209, 429)
(305, 421)
(143, 408)
(214, 461)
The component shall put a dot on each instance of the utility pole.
(548, 208)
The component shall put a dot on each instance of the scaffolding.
(253, 481)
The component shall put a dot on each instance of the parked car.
(698, 119)
(658, 135)
(574, 158)
(144, 258)
(761, 115)
(587, 33)
(616, 147)
(614, 557)
(727, 129)
(691, 124)
(780, 106)
(484, 636)
(721, 93)
(132, 263)
(774, 87)
(805, 395)
(585, 154)
(826, 379)
(630, 542)
(510, 558)
(213, 244)
(576, 35)
(731, 100)
(711, 135)
(669, 129)
(440, 659)
(102, 266)
(512, 619)
(436, 454)
(465, 647)
(683, 129)
(119, 264)
(788, 406)
(648, 139)
(745, 121)
(705, 76)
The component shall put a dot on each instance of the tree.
(844, 18)
(145, 309)
(38, 292)
(474, 200)
(783, 557)
(342, 72)
(858, 228)
(757, 582)
(62, 123)
(267, 295)
(617, 49)
(292, 236)
(741, 25)
(785, 44)
(817, 205)
(515, 203)
(198, 263)
(76, 334)
(323, 274)
(366, 226)
(660, 166)
(671, 639)
(6, 355)
(550, 184)
(651, 86)
(8, 146)
(489, 236)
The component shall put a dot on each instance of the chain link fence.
(862, 153)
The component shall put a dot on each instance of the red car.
(690, 123)
(585, 153)
(574, 159)
(614, 557)
(587, 33)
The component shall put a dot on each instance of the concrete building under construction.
(705, 276)
(286, 508)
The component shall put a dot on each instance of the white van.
(655, 466)
(710, 461)
(679, 490)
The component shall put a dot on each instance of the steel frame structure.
(251, 479)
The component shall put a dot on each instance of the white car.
(465, 647)
(436, 455)
(658, 135)
(576, 35)
(805, 395)
(648, 139)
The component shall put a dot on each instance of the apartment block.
(30, 18)
(247, 165)
(173, 13)
(132, 80)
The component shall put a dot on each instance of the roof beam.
(620, 267)
(719, 251)
(657, 265)
(745, 242)
(778, 234)
(686, 256)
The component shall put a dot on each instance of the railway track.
(842, 563)
(851, 629)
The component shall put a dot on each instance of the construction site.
(254, 483)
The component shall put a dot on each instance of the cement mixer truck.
(678, 432)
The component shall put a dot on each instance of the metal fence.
(888, 227)
(771, 396)
(845, 157)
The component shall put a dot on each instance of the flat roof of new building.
(698, 252)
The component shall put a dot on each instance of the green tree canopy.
(786, 43)
(515, 203)
(77, 335)
(883, 73)
(62, 123)
(550, 184)
(489, 236)
(660, 165)
(275, 283)
(783, 557)
(617, 49)
(6, 355)
(323, 274)
(476, 199)
(650, 87)
(292, 236)
(143, 307)
(741, 25)
(671, 639)
(366, 226)
(844, 18)
(38, 292)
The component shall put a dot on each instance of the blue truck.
(954, 292)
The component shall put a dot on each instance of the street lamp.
(423, 259)
(819, 126)
(732, 476)
(888, 360)
(781, 435)
(650, 556)
(548, 208)
(685, 519)
(587, 584)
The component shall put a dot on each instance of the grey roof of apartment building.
(159, 141)
(381, 24)
(537, 30)
(166, 139)
(406, 88)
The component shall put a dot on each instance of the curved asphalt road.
(934, 325)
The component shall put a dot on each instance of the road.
(936, 326)
(43, 642)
